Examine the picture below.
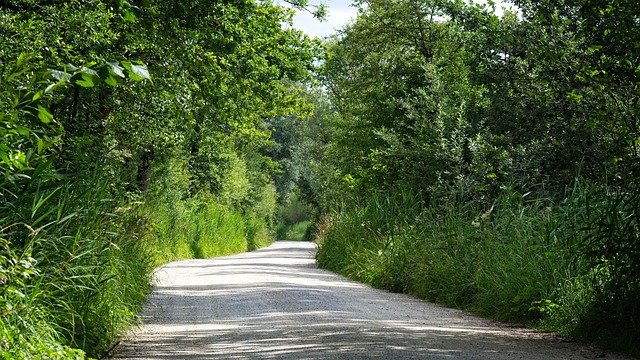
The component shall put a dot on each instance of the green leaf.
(594, 49)
(23, 130)
(111, 73)
(23, 59)
(574, 97)
(137, 71)
(60, 75)
(38, 204)
(129, 16)
(70, 68)
(86, 77)
(5, 158)
(103, 71)
(50, 87)
(116, 69)
(20, 160)
(44, 115)
(37, 95)
(111, 81)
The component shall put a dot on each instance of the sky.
(339, 14)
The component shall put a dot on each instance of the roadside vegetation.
(299, 231)
(524, 260)
(132, 134)
(294, 220)
(484, 162)
(430, 147)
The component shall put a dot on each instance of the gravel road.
(275, 303)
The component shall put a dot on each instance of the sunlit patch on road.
(275, 304)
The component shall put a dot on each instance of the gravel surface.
(275, 303)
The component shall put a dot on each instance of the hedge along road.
(275, 303)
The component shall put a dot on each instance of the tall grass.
(194, 228)
(75, 267)
(299, 231)
(201, 228)
(294, 220)
(182, 225)
(518, 259)
(74, 276)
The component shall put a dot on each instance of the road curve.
(274, 303)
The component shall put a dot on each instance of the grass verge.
(517, 259)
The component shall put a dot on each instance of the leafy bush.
(73, 276)
(293, 211)
(105, 173)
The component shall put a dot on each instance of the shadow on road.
(274, 304)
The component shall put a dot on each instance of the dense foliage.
(488, 162)
(133, 133)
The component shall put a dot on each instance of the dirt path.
(275, 303)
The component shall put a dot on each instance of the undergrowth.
(73, 274)
(195, 228)
(76, 264)
(518, 259)
(180, 225)
(298, 231)
(294, 220)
